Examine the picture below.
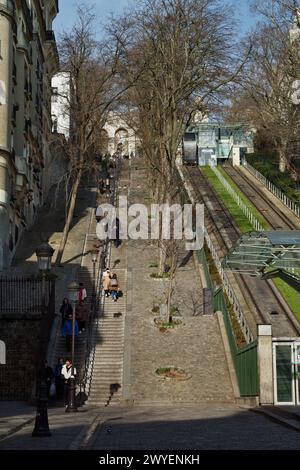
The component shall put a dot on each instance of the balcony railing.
(8, 6)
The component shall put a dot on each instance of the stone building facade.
(118, 136)
(28, 60)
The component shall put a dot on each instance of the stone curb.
(16, 429)
(289, 423)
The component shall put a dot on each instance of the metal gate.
(286, 367)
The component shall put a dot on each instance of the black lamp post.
(94, 258)
(44, 254)
(73, 290)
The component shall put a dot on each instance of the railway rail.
(274, 216)
(262, 298)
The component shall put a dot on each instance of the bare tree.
(268, 97)
(92, 69)
(184, 50)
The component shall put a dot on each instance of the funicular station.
(271, 254)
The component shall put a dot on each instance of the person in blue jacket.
(67, 332)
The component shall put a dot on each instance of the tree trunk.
(69, 219)
(169, 297)
(282, 161)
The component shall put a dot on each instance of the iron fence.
(21, 295)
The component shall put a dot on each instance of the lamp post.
(73, 290)
(94, 258)
(44, 254)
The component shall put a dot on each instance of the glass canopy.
(257, 253)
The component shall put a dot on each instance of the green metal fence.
(245, 358)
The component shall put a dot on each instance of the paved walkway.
(195, 346)
(185, 427)
(67, 429)
(201, 427)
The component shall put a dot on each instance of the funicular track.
(262, 298)
(274, 216)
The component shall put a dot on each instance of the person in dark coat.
(67, 332)
(82, 315)
(66, 309)
(59, 383)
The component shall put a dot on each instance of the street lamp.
(73, 290)
(94, 257)
(44, 254)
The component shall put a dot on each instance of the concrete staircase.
(108, 334)
(86, 276)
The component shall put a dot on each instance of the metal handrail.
(86, 380)
(273, 189)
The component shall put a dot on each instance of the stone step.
(106, 381)
(106, 368)
(107, 355)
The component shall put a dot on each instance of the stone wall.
(21, 337)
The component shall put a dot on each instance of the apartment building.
(28, 60)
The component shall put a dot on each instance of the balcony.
(8, 6)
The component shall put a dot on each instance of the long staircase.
(108, 336)
(86, 276)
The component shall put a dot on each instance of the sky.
(67, 12)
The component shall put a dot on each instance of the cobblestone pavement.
(195, 346)
(193, 427)
(201, 427)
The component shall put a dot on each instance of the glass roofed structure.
(217, 142)
(258, 253)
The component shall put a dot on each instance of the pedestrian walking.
(66, 373)
(107, 184)
(67, 331)
(82, 316)
(59, 383)
(117, 241)
(66, 309)
(106, 282)
(114, 287)
(82, 295)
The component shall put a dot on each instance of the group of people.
(61, 376)
(81, 317)
(111, 285)
(59, 379)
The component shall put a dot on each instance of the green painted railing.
(202, 260)
(245, 358)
